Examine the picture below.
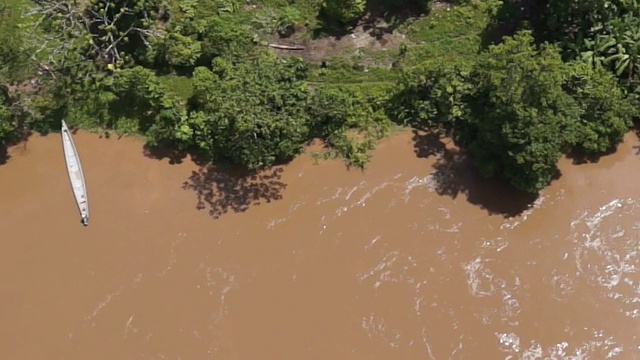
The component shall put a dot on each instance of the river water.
(415, 258)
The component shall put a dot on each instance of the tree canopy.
(252, 112)
(201, 76)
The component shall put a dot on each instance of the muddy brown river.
(415, 258)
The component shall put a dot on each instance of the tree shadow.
(454, 173)
(428, 143)
(50, 123)
(4, 155)
(221, 189)
(330, 28)
(506, 22)
(580, 157)
(381, 17)
(14, 141)
(394, 13)
(175, 155)
(513, 16)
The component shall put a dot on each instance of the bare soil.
(372, 35)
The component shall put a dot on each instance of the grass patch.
(452, 34)
(180, 86)
(348, 71)
(302, 12)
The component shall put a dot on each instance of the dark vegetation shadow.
(4, 155)
(512, 16)
(392, 12)
(454, 173)
(330, 28)
(636, 130)
(19, 138)
(506, 22)
(580, 157)
(172, 153)
(221, 189)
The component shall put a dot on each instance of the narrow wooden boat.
(76, 177)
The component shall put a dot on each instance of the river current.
(416, 257)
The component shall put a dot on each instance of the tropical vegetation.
(516, 83)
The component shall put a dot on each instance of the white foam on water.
(512, 223)
(497, 244)
(354, 189)
(563, 285)
(218, 284)
(509, 342)
(393, 267)
(427, 182)
(377, 328)
(372, 242)
(533, 352)
(426, 343)
(588, 350)
(292, 209)
(172, 254)
(101, 305)
(335, 195)
(479, 278)
(606, 253)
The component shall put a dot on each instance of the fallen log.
(287, 47)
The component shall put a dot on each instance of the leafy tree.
(348, 120)
(343, 11)
(14, 57)
(625, 31)
(572, 21)
(111, 32)
(607, 111)
(431, 96)
(140, 98)
(15, 68)
(227, 36)
(7, 120)
(520, 118)
(182, 50)
(252, 113)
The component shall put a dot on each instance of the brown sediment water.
(415, 258)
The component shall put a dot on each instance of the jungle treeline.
(516, 84)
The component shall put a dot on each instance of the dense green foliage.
(252, 112)
(7, 123)
(197, 75)
(343, 11)
(520, 118)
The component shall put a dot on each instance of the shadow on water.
(19, 140)
(174, 155)
(221, 189)
(579, 157)
(4, 155)
(454, 173)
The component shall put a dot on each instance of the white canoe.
(75, 173)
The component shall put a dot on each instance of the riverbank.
(225, 90)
